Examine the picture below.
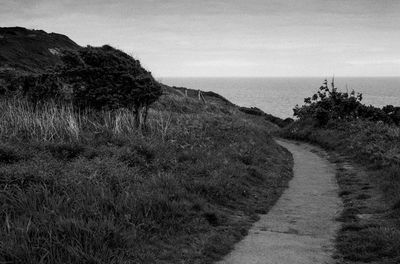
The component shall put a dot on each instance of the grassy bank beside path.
(90, 188)
(368, 157)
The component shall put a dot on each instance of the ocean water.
(278, 96)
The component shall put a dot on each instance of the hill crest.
(31, 51)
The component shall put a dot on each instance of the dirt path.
(301, 227)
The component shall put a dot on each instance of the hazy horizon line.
(311, 76)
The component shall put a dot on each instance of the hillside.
(31, 50)
(92, 187)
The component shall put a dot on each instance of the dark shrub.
(331, 104)
(101, 78)
(322, 116)
(107, 78)
(393, 112)
(44, 88)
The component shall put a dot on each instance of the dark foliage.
(107, 78)
(43, 88)
(393, 112)
(100, 78)
(330, 104)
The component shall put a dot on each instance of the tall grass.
(51, 122)
(19, 119)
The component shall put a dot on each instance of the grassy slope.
(370, 190)
(91, 189)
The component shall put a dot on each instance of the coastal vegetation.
(330, 104)
(82, 182)
(91, 78)
(369, 136)
(77, 188)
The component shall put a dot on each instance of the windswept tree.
(106, 78)
(99, 78)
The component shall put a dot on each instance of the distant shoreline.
(278, 95)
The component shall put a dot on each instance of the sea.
(279, 95)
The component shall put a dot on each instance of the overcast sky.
(229, 37)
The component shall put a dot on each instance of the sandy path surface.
(301, 226)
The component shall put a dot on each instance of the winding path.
(301, 226)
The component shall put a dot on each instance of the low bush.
(330, 104)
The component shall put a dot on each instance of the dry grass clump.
(19, 119)
(51, 122)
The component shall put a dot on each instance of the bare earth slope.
(301, 227)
